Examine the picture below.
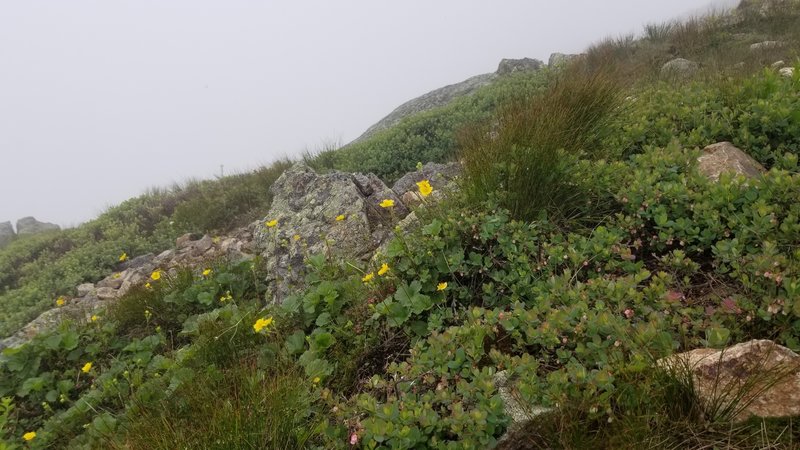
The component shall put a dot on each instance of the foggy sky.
(100, 100)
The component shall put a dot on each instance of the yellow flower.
(147, 315)
(387, 203)
(296, 237)
(116, 275)
(262, 323)
(425, 188)
(441, 286)
(60, 301)
(156, 275)
(148, 286)
(86, 367)
(316, 380)
(368, 277)
(384, 268)
(29, 435)
(271, 223)
(340, 217)
(226, 297)
(123, 257)
(94, 318)
(207, 272)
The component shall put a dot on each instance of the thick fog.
(100, 100)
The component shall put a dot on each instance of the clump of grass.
(527, 152)
(242, 407)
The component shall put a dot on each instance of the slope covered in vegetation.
(582, 246)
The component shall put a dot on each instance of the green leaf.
(296, 342)
(717, 337)
(323, 319)
(321, 341)
(205, 298)
(433, 228)
(69, 340)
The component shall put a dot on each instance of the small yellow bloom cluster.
(368, 277)
(387, 203)
(156, 275)
(147, 315)
(61, 301)
(29, 436)
(94, 318)
(116, 275)
(340, 217)
(207, 272)
(272, 223)
(296, 237)
(86, 367)
(148, 285)
(227, 297)
(384, 269)
(123, 257)
(425, 188)
(262, 324)
(441, 286)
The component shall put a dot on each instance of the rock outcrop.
(6, 234)
(431, 100)
(508, 66)
(756, 378)
(90, 298)
(439, 175)
(679, 68)
(338, 213)
(725, 157)
(560, 59)
(787, 72)
(767, 45)
(29, 225)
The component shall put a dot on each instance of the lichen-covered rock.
(6, 234)
(85, 289)
(303, 221)
(787, 72)
(679, 68)
(759, 378)
(560, 59)
(439, 175)
(514, 407)
(767, 45)
(29, 225)
(508, 66)
(725, 157)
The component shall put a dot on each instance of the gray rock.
(763, 8)
(508, 66)
(513, 406)
(439, 175)
(112, 281)
(306, 205)
(767, 45)
(679, 68)
(777, 64)
(787, 72)
(85, 289)
(725, 157)
(107, 293)
(560, 59)
(431, 100)
(757, 378)
(6, 233)
(29, 225)
(137, 262)
(202, 245)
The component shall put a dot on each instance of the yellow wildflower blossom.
(123, 257)
(116, 275)
(94, 318)
(207, 272)
(262, 324)
(271, 223)
(368, 277)
(156, 275)
(316, 380)
(29, 436)
(387, 203)
(425, 188)
(226, 297)
(86, 367)
(148, 286)
(384, 268)
(441, 286)
(296, 237)
(340, 217)
(61, 301)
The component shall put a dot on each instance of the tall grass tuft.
(526, 153)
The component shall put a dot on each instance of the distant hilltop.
(25, 226)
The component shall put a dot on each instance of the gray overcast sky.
(102, 99)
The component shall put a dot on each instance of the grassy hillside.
(582, 246)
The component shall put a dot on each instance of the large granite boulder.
(756, 378)
(29, 225)
(725, 157)
(338, 213)
(508, 66)
(6, 233)
(679, 68)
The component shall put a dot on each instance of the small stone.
(679, 68)
(106, 293)
(725, 157)
(110, 282)
(767, 45)
(787, 72)
(85, 289)
(777, 64)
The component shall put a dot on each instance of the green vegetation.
(583, 246)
